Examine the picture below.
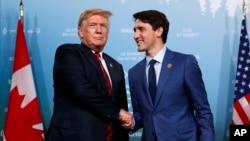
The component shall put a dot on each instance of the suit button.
(154, 136)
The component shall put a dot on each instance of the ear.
(80, 31)
(159, 31)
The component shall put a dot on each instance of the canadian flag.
(23, 119)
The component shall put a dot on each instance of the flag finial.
(244, 8)
(21, 9)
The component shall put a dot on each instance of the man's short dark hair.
(156, 19)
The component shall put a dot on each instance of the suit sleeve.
(82, 87)
(121, 89)
(198, 96)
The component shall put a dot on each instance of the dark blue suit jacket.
(82, 109)
(181, 111)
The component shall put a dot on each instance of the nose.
(136, 35)
(98, 28)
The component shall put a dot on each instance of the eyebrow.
(139, 27)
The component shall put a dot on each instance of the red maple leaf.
(19, 121)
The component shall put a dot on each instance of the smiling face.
(93, 32)
(146, 38)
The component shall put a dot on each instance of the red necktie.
(108, 85)
(105, 74)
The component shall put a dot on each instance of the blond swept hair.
(95, 11)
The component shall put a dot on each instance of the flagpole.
(21, 10)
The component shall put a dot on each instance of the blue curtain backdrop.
(209, 29)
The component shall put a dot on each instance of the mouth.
(98, 38)
(138, 42)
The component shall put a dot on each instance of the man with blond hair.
(90, 102)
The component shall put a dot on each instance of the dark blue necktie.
(152, 80)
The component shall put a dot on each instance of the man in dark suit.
(89, 91)
(178, 110)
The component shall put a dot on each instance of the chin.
(140, 50)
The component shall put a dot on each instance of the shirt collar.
(99, 53)
(158, 57)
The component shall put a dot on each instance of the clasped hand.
(126, 119)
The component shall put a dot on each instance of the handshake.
(126, 119)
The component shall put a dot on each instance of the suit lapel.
(111, 71)
(142, 74)
(88, 55)
(164, 73)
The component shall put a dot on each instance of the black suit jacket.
(82, 108)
